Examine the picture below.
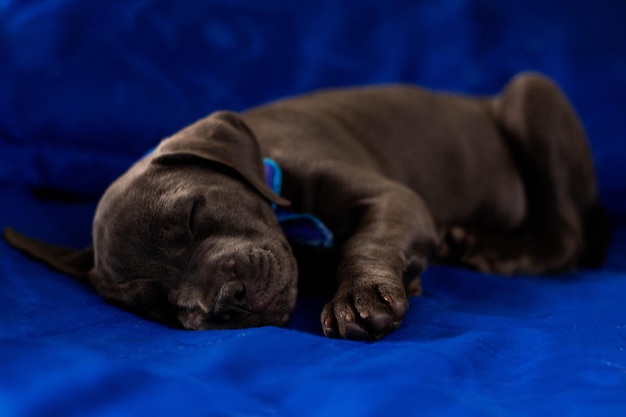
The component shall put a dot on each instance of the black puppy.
(402, 177)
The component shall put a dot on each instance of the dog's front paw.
(365, 312)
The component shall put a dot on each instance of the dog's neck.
(301, 228)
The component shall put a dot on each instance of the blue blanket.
(86, 87)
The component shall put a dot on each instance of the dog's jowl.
(391, 178)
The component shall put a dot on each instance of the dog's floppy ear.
(76, 263)
(139, 296)
(223, 138)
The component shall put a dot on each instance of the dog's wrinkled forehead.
(136, 213)
(152, 196)
(158, 212)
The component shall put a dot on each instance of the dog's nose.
(232, 292)
(230, 300)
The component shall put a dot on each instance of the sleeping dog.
(401, 176)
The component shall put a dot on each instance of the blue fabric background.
(86, 87)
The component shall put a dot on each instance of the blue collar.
(302, 228)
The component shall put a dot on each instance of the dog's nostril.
(229, 303)
(232, 292)
(240, 295)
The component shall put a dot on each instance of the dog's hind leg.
(552, 154)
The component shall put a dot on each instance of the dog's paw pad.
(368, 312)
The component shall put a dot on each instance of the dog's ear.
(76, 263)
(225, 139)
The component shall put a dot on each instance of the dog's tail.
(597, 235)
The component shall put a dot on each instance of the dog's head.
(188, 236)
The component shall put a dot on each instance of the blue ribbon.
(302, 228)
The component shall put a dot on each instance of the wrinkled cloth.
(86, 87)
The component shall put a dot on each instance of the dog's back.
(442, 146)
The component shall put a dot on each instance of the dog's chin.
(276, 313)
(266, 308)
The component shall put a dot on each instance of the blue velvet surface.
(88, 87)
